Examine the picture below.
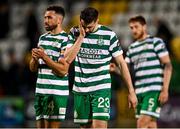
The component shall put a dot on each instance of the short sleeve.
(64, 44)
(160, 47)
(71, 40)
(127, 58)
(115, 48)
(39, 43)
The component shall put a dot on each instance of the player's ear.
(97, 20)
(145, 27)
(60, 19)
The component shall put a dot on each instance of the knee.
(99, 124)
(141, 123)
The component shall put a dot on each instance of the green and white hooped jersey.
(145, 57)
(93, 59)
(47, 82)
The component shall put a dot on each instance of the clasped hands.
(38, 53)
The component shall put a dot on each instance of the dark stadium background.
(21, 24)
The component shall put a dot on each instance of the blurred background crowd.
(21, 24)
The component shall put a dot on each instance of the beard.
(50, 28)
(138, 35)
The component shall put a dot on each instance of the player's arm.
(127, 78)
(71, 53)
(60, 68)
(33, 64)
(165, 61)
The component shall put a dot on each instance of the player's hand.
(132, 100)
(112, 67)
(40, 52)
(163, 97)
(62, 61)
(34, 54)
(81, 29)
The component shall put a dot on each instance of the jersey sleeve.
(38, 44)
(63, 46)
(115, 48)
(127, 58)
(160, 47)
(71, 40)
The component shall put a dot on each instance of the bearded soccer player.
(93, 50)
(151, 62)
(52, 82)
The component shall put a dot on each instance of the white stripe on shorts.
(100, 114)
(150, 113)
(81, 120)
(54, 117)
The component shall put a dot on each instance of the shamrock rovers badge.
(100, 41)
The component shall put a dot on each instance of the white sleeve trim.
(127, 60)
(163, 54)
(117, 53)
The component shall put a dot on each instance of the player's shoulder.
(105, 28)
(157, 39)
(64, 33)
(43, 35)
(133, 44)
(61, 34)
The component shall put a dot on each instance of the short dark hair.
(139, 19)
(89, 15)
(57, 9)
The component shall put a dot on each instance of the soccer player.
(150, 59)
(52, 82)
(93, 49)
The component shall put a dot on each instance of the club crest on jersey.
(100, 41)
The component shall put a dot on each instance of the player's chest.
(142, 53)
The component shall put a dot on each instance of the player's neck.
(96, 27)
(143, 37)
(57, 30)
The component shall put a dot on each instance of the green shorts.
(148, 104)
(50, 107)
(92, 106)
